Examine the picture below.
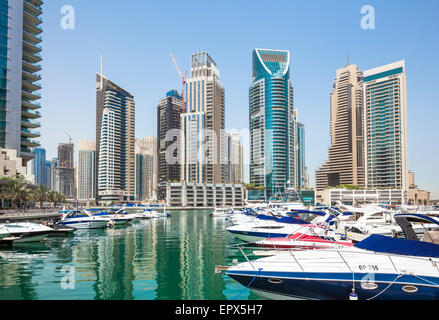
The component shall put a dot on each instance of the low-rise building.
(11, 165)
(335, 195)
(184, 194)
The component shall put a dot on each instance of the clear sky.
(136, 36)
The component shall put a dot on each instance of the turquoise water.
(167, 258)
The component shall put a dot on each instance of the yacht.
(21, 232)
(377, 268)
(82, 220)
(115, 219)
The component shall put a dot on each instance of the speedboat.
(221, 212)
(21, 232)
(156, 214)
(115, 219)
(302, 241)
(82, 220)
(271, 227)
(379, 267)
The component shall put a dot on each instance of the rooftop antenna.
(347, 57)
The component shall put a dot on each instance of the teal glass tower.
(273, 126)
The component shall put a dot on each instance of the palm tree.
(16, 190)
(41, 194)
(56, 197)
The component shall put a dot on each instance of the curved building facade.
(273, 138)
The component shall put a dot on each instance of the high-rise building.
(48, 175)
(301, 168)
(385, 112)
(86, 170)
(204, 141)
(235, 159)
(65, 170)
(168, 140)
(39, 167)
(115, 130)
(53, 165)
(273, 130)
(345, 165)
(146, 168)
(144, 176)
(20, 49)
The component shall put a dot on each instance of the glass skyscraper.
(273, 129)
(386, 127)
(115, 129)
(20, 49)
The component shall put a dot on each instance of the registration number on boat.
(369, 267)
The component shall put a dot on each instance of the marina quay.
(278, 157)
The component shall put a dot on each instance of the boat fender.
(353, 295)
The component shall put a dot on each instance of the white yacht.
(21, 232)
(82, 220)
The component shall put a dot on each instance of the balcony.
(30, 123)
(25, 132)
(31, 57)
(33, 39)
(31, 68)
(26, 95)
(30, 105)
(30, 85)
(30, 18)
(30, 143)
(31, 76)
(29, 115)
(31, 47)
(33, 7)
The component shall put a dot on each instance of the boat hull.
(93, 224)
(337, 286)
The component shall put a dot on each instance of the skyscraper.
(301, 172)
(146, 168)
(86, 170)
(20, 47)
(65, 170)
(115, 129)
(39, 167)
(273, 140)
(345, 163)
(203, 123)
(168, 133)
(235, 159)
(386, 127)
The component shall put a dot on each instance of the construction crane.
(183, 80)
(70, 138)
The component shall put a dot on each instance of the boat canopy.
(385, 244)
(307, 211)
(417, 217)
(264, 217)
(292, 220)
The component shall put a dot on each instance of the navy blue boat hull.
(322, 287)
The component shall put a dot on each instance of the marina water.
(166, 258)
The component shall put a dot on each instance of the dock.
(38, 215)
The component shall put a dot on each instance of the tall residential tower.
(345, 163)
(115, 129)
(386, 127)
(20, 51)
(86, 170)
(204, 144)
(273, 129)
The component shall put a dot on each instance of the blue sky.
(136, 36)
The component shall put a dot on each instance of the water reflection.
(171, 258)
